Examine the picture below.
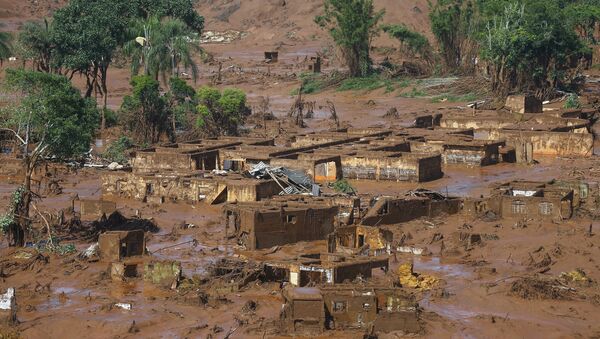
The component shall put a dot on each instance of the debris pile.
(74, 228)
(539, 287)
(291, 182)
(408, 278)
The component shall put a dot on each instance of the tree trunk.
(103, 80)
(19, 228)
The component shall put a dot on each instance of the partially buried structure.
(346, 307)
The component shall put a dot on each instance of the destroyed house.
(523, 199)
(303, 310)
(362, 156)
(264, 225)
(359, 239)
(325, 268)
(197, 155)
(349, 207)
(540, 134)
(461, 150)
(115, 245)
(396, 166)
(95, 208)
(548, 143)
(414, 205)
(347, 307)
(175, 159)
(319, 168)
(160, 188)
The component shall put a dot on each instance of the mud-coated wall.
(451, 122)
(149, 161)
(402, 168)
(388, 211)
(358, 309)
(536, 207)
(11, 167)
(97, 208)
(138, 187)
(430, 168)
(243, 191)
(267, 228)
(549, 143)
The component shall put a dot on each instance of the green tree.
(584, 17)
(182, 103)
(453, 23)
(5, 46)
(48, 117)
(34, 43)
(86, 34)
(416, 43)
(161, 47)
(352, 24)
(145, 111)
(221, 112)
(529, 46)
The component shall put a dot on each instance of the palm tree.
(161, 47)
(175, 36)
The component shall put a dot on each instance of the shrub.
(572, 101)
(116, 151)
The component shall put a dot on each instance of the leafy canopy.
(416, 43)
(144, 111)
(225, 111)
(53, 111)
(352, 24)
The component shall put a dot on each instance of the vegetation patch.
(448, 97)
(572, 101)
(369, 83)
(414, 93)
(116, 151)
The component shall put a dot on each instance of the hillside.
(274, 21)
(265, 21)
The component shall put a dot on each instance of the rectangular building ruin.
(264, 225)
(414, 205)
(555, 200)
(115, 245)
(160, 188)
(96, 208)
(346, 307)
(325, 268)
(359, 239)
(552, 133)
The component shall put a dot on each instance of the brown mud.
(69, 297)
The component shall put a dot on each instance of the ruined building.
(347, 307)
(555, 200)
(551, 133)
(414, 205)
(325, 268)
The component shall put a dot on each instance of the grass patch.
(414, 93)
(311, 83)
(369, 83)
(314, 83)
(404, 83)
(454, 98)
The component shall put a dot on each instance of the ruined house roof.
(303, 293)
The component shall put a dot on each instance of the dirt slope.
(276, 21)
(266, 21)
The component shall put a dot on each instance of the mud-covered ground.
(66, 296)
